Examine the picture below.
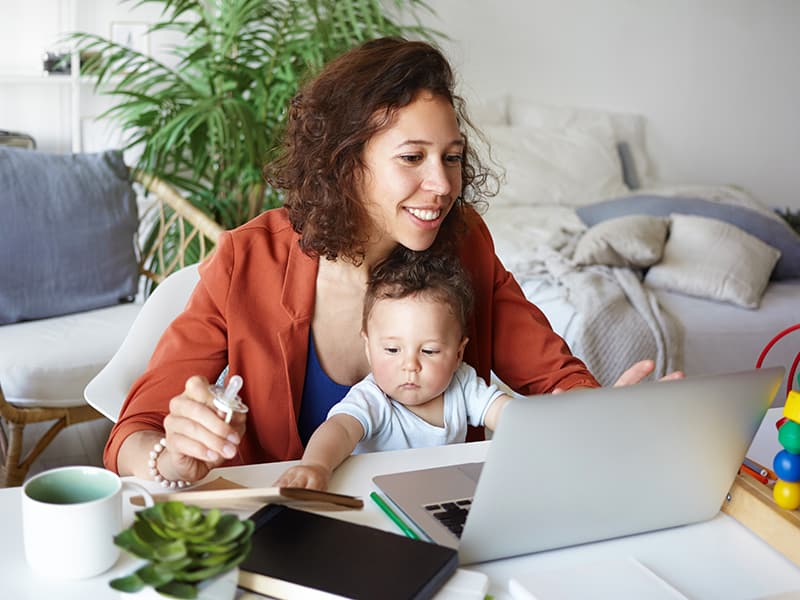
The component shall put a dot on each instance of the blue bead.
(787, 466)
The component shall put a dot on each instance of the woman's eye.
(411, 158)
(454, 158)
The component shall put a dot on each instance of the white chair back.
(107, 391)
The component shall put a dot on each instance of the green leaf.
(176, 565)
(130, 542)
(228, 528)
(203, 573)
(170, 551)
(145, 533)
(130, 583)
(176, 589)
(154, 575)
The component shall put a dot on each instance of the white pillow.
(713, 259)
(634, 241)
(566, 167)
(623, 127)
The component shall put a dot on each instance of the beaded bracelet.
(167, 483)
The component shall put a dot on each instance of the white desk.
(716, 559)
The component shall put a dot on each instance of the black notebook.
(297, 553)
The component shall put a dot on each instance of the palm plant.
(208, 124)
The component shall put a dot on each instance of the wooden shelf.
(751, 503)
(36, 78)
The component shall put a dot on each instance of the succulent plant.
(183, 545)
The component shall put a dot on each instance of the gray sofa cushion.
(66, 233)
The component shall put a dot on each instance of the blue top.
(320, 393)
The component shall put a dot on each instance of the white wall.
(43, 106)
(719, 80)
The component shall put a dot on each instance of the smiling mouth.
(425, 214)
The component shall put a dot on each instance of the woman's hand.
(642, 369)
(633, 375)
(198, 439)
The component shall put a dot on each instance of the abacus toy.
(763, 509)
(787, 462)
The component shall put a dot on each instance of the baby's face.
(414, 346)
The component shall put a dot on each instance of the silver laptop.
(592, 465)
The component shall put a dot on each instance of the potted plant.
(208, 123)
(184, 547)
(792, 217)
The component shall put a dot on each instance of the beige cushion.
(48, 362)
(635, 241)
(713, 259)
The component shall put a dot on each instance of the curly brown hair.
(329, 123)
(430, 274)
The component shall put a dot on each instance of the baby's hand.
(313, 477)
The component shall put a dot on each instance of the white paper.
(621, 579)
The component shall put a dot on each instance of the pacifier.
(227, 399)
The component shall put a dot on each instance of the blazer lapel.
(297, 299)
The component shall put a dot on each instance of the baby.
(419, 393)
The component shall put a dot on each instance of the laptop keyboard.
(452, 514)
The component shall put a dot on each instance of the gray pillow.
(66, 233)
(772, 231)
(629, 173)
(634, 241)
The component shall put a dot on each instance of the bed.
(699, 278)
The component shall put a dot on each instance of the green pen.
(393, 516)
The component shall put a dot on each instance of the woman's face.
(413, 174)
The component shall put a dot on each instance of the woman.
(375, 155)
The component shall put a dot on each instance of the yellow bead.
(787, 495)
(791, 410)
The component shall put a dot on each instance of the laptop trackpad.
(472, 470)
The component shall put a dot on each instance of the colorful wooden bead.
(791, 410)
(779, 423)
(789, 436)
(786, 494)
(787, 466)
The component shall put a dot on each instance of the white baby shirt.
(388, 425)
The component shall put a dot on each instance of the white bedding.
(720, 337)
(559, 159)
(717, 337)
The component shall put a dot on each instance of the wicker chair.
(168, 211)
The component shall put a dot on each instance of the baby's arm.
(331, 443)
(495, 410)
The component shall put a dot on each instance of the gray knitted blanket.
(619, 321)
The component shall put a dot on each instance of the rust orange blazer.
(252, 309)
